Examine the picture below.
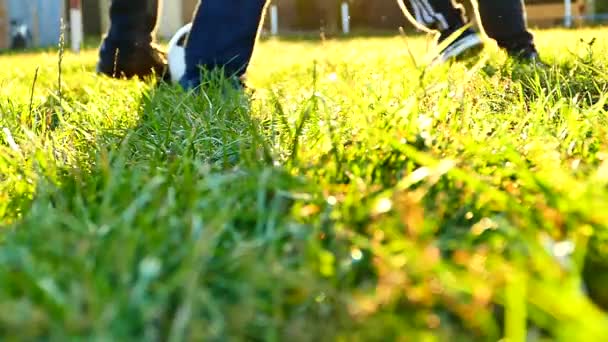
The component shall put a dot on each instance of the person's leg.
(448, 20)
(434, 15)
(128, 50)
(133, 21)
(505, 22)
(223, 36)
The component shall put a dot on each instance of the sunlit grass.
(353, 194)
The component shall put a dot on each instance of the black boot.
(128, 49)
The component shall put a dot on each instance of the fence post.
(4, 26)
(104, 18)
(568, 13)
(171, 18)
(274, 20)
(590, 10)
(345, 18)
(76, 29)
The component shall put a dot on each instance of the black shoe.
(137, 60)
(460, 45)
(528, 56)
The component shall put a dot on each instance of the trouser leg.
(127, 49)
(223, 37)
(133, 21)
(437, 15)
(505, 22)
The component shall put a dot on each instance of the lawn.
(352, 194)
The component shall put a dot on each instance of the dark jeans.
(223, 36)
(132, 21)
(502, 20)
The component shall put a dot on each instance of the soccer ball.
(176, 55)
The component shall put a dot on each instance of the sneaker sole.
(459, 47)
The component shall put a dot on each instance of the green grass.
(355, 195)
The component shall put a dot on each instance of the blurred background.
(37, 23)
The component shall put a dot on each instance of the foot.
(466, 44)
(137, 60)
(211, 79)
(527, 55)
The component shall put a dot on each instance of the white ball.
(176, 55)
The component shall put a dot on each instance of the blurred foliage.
(356, 194)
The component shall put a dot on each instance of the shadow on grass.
(180, 229)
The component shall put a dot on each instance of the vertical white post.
(35, 30)
(568, 13)
(76, 29)
(171, 18)
(345, 18)
(590, 12)
(274, 20)
(4, 26)
(104, 20)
